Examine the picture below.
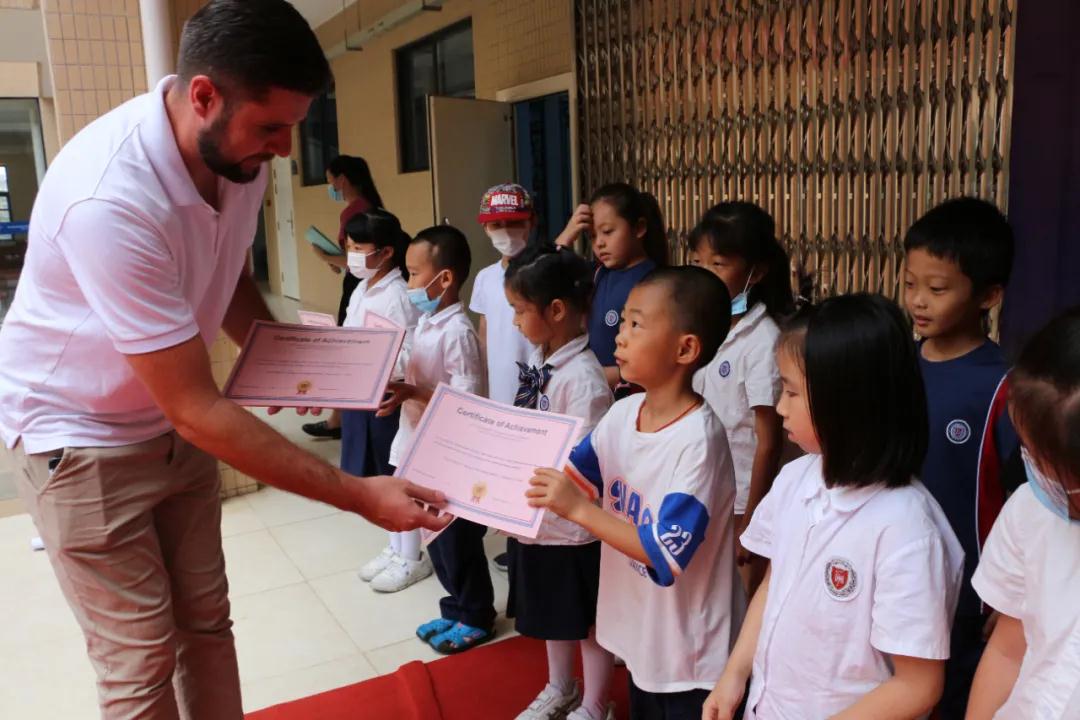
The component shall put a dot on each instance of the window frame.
(329, 151)
(403, 80)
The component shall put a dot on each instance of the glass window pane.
(319, 139)
(3, 179)
(456, 76)
(416, 73)
(4, 202)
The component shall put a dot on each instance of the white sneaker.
(401, 573)
(551, 704)
(377, 564)
(582, 714)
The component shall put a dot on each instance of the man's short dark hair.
(449, 250)
(972, 233)
(700, 305)
(251, 46)
(867, 398)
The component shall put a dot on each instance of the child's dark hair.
(357, 172)
(972, 233)
(541, 274)
(700, 305)
(449, 250)
(1044, 395)
(634, 207)
(865, 388)
(381, 229)
(742, 229)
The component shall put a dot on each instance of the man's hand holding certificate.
(482, 454)
(308, 366)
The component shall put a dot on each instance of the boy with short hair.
(508, 217)
(958, 260)
(445, 349)
(660, 464)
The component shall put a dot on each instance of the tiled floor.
(304, 622)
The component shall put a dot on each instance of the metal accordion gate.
(845, 119)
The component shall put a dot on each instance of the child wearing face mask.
(1030, 568)
(376, 247)
(736, 241)
(445, 350)
(506, 212)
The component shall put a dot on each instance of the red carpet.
(494, 682)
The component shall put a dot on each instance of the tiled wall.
(96, 54)
(519, 42)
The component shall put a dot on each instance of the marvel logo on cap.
(505, 202)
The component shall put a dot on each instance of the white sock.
(395, 542)
(599, 665)
(561, 664)
(409, 545)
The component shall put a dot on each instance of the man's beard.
(209, 141)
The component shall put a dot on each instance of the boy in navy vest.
(959, 256)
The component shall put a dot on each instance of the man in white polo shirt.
(135, 262)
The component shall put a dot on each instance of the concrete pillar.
(158, 36)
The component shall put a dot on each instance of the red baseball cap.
(508, 201)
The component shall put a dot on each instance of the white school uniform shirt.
(1030, 570)
(857, 574)
(675, 620)
(389, 298)
(444, 349)
(506, 346)
(578, 388)
(124, 258)
(743, 375)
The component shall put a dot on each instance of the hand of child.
(724, 700)
(396, 393)
(581, 221)
(554, 491)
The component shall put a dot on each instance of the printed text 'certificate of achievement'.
(482, 454)
(300, 366)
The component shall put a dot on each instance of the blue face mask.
(334, 194)
(419, 298)
(1051, 494)
(740, 301)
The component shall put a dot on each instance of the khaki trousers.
(134, 537)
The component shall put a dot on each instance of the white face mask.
(509, 241)
(358, 265)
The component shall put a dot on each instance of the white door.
(463, 168)
(281, 177)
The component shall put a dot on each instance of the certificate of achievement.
(482, 454)
(316, 319)
(372, 320)
(303, 366)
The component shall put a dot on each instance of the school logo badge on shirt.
(958, 432)
(725, 369)
(611, 319)
(544, 403)
(841, 580)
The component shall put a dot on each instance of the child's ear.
(689, 349)
(556, 310)
(447, 279)
(641, 229)
(991, 297)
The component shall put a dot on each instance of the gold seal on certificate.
(312, 366)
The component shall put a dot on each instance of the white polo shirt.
(444, 349)
(388, 298)
(742, 376)
(857, 574)
(577, 388)
(505, 345)
(124, 258)
(1030, 570)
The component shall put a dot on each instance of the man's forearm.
(247, 306)
(234, 435)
